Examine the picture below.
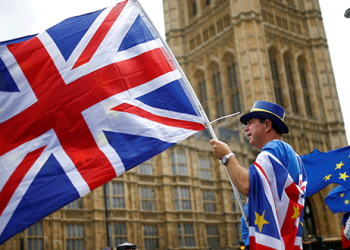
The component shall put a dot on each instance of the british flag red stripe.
(164, 120)
(16, 178)
(99, 35)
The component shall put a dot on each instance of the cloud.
(26, 17)
(16, 19)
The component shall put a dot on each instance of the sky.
(26, 17)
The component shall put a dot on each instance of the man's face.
(255, 132)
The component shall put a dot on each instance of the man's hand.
(238, 174)
(220, 149)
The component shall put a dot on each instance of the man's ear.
(268, 125)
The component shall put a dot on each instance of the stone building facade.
(233, 52)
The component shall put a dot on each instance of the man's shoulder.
(285, 154)
(276, 143)
(278, 148)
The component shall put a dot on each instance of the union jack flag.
(82, 103)
(276, 205)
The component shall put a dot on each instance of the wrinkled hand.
(220, 149)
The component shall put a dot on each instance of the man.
(275, 183)
(346, 231)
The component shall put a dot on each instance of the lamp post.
(347, 13)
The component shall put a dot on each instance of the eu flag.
(338, 200)
(325, 168)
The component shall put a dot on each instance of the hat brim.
(264, 115)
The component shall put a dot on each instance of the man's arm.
(238, 174)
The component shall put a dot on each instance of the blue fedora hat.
(267, 110)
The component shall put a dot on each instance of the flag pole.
(195, 98)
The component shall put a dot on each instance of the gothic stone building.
(233, 52)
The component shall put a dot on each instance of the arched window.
(234, 86)
(206, 3)
(275, 77)
(290, 80)
(304, 84)
(227, 20)
(203, 97)
(192, 6)
(219, 98)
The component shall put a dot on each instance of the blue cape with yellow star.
(276, 204)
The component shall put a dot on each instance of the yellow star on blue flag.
(260, 221)
(343, 176)
(339, 165)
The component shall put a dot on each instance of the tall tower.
(235, 52)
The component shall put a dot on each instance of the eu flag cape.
(325, 168)
(82, 103)
(276, 205)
